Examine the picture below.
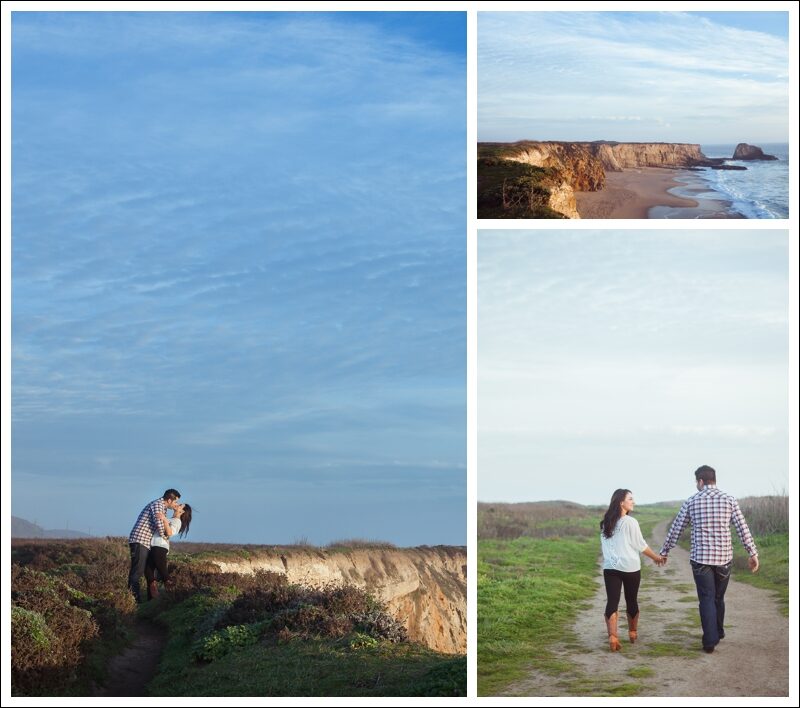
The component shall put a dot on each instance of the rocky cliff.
(584, 165)
(425, 588)
(619, 156)
(574, 161)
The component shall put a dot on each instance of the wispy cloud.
(684, 77)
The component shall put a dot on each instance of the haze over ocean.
(239, 261)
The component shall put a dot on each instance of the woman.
(622, 542)
(159, 546)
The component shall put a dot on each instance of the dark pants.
(711, 582)
(156, 562)
(139, 555)
(616, 580)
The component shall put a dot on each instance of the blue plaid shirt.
(148, 523)
(711, 513)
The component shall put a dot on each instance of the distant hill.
(21, 528)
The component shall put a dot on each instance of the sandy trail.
(131, 671)
(667, 660)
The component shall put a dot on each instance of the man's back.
(711, 512)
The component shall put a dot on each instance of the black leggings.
(615, 581)
(156, 561)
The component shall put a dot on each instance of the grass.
(661, 649)
(530, 589)
(313, 668)
(352, 665)
(773, 571)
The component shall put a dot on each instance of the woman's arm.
(168, 530)
(657, 559)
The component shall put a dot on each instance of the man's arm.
(155, 521)
(681, 520)
(745, 536)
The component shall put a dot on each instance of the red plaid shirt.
(711, 513)
(148, 523)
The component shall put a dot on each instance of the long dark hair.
(186, 519)
(609, 521)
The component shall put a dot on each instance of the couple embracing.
(149, 540)
(710, 512)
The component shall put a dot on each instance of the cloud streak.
(539, 70)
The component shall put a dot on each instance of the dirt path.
(667, 660)
(131, 671)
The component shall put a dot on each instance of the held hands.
(661, 560)
(753, 563)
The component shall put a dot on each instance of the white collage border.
(473, 226)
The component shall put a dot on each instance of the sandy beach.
(632, 193)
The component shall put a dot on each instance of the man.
(149, 522)
(711, 512)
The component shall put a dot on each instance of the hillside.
(22, 528)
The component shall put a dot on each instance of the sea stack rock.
(744, 151)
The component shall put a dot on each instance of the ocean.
(760, 192)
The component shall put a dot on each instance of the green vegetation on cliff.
(513, 190)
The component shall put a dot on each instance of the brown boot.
(633, 624)
(152, 589)
(611, 626)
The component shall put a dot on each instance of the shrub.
(766, 515)
(291, 610)
(187, 579)
(48, 631)
(223, 641)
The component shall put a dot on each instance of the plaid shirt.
(711, 512)
(147, 524)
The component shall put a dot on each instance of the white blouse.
(621, 551)
(159, 541)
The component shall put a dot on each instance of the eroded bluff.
(424, 588)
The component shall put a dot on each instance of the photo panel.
(633, 115)
(238, 373)
(633, 462)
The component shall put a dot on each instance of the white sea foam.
(761, 191)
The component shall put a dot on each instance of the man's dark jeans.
(138, 561)
(711, 582)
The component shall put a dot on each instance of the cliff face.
(425, 588)
(574, 161)
(584, 165)
(619, 156)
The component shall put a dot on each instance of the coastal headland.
(601, 179)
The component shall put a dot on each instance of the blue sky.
(612, 359)
(239, 270)
(633, 76)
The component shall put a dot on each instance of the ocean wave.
(760, 192)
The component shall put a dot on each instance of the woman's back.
(621, 551)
